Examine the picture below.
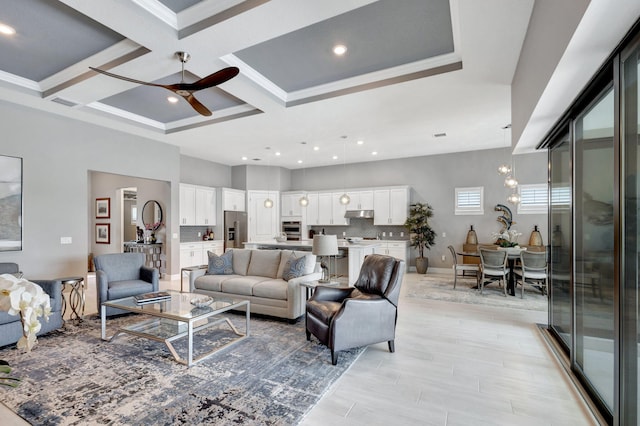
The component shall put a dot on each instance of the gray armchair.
(10, 325)
(120, 275)
(343, 318)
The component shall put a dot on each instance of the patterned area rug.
(72, 377)
(440, 287)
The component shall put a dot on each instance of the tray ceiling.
(412, 69)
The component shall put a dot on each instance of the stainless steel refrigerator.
(235, 229)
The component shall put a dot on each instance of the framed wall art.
(103, 208)
(103, 233)
(10, 203)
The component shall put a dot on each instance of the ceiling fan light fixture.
(172, 99)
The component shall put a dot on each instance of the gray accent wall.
(433, 179)
(58, 154)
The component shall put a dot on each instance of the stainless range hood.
(358, 214)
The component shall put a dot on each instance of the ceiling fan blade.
(131, 80)
(201, 109)
(214, 79)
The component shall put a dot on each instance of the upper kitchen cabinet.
(290, 204)
(360, 200)
(197, 205)
(391, 206)
(264, 222)
(313, 209)
(233, 200)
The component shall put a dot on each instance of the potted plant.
(422, 235)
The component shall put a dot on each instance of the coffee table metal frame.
(178, 309)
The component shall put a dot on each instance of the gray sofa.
(10, 325)
(257, 276)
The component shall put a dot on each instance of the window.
(469, 201)
(561, 197)
(134, 215)
(533, 198)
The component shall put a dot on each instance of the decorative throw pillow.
(294, 268)
(220, 265)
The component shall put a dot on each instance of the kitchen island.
(353, 253)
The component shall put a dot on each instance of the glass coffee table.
(176, 318)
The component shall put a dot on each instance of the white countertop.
(309, 243)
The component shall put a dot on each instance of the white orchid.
(21, 297)
(507, 237)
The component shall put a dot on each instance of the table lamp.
(325, 245)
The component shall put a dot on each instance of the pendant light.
(511, 181)
(514, 198)
(344, 198)
(268, 203)
(304, 201)
(504, 169)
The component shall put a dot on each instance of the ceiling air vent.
(64, 102)
(439, 135)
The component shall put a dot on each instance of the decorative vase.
(422, 264)
(536, 238)
(472, 238)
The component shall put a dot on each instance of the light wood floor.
(455, 364)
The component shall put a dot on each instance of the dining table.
(512, 256)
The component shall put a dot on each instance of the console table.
(154, 257)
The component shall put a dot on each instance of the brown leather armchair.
(344, 318)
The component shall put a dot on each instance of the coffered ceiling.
(413, 69)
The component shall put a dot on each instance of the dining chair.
(532, 270)
(493, 264)
(462, 267)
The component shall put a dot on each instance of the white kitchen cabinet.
(391, 206)
(264, 223)
(205, 206)
(356, 257)
(216, 246)
(290, 204)
(397, 249)
(195, 253)
(187, 204)
(360, 200)
(325, 208)
(197, 205)
(233, 200)
(312, 209)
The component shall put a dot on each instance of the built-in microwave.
(293, 229)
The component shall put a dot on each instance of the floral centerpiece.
(507, 238)
(21, 297)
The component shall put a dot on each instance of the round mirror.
(152, 215)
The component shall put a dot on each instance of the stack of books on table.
(154, 297)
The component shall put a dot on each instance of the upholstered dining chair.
(344, 318)
(121, 275)
(532, 270)
(493, 264)
(462, 267)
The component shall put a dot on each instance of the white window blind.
(469, 201)
(561, 196)
(533, 198)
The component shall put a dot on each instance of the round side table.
(76, 297)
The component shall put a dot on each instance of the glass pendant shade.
(345, 199)
(268, 203)
(504, 169)
(304, 201)
(514, 198)
(510, 182)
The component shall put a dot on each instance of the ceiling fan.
(183, 89)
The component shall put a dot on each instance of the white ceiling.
(442, 67)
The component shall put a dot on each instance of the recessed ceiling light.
(360, 142)
(244, 158)
(339, 49)
(172, 99)
(335, 157)
(277, 154)
(6, 29)
(374, 153)
(316, 148)
(299, 161)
